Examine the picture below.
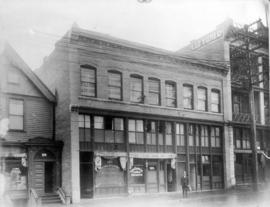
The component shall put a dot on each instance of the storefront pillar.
(228, 149)
(75, 161)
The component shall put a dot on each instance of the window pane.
(136, 89)
(88, 89)
(215, 101)
(119, 124)
(139, 125)
(115, 79)
(16, 107)
(131, 137)
(16, 122)
(98, 122)
(115, 93)
(87, 121)
(153, 98)
(168, 139)
(170, 95)
(81, 121)
(154, 85)
(88, 75)
(139, 137)
(136, 96)
(131, 125)
(170, 102)
(168, 127)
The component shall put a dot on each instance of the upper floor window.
(135, 131)
(13, 77)
(136, 89)
(170, 94)
(16, 113)
(154, 91)
(215, 137)
(202, 99)
(180, 134)
(188, 96)
(115, 85)
(84, 128)
(215, 101)
(88, 81)
(240, 103)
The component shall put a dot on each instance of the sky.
(33, 26)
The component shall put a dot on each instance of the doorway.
(49, 177)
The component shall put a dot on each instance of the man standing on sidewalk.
(184, 184)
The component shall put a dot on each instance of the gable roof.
(18, 62)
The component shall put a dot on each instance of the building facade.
(29, 156)
(133, 118)
(227, 45)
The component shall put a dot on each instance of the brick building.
(133, 118)
(227, 45)
(29, 155)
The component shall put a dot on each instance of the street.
(208, 199)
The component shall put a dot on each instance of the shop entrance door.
(152, 177)
(86, 174)
(49, 177)
(170, 178)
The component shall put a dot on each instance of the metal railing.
(64, 198)
(34, 200)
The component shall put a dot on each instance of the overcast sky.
(33, 26)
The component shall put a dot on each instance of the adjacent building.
(29, 155)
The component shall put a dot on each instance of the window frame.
(219, 100)
(181, 140)
(23, 114)
(136, 76)
(114, 86)
(174, 97)
(202, 100)
(191, 98)
(154, 92)
(88, 67)
(136, 131)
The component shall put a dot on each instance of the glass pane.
(87, 121)
(188, 91)
(88, 89)
(160, 139)
(109, 136)
(139, 125)
(202, 93)
(131, 137)
(170, 90)
(99, 135)
(170, 102)
(168, 127)
(88, 75)
(119, 137)
(153, 98)
(139, 137)
(136, 96)
(115, 79)
(136, 84)
(114, 93)
(16, 122)
(201, 105)
(16, 107)
(215, 97)
(131, 125)
(215, 107)
(81, 121)
(168, 139)
(154, 85)
(119, 124)
(99, 122)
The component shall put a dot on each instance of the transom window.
(135, 134)
(136, 89)
(154, 91)
(16, 113)
(115, 85)
(202, 99)
(188, 96)
(88, 81)
(170, 94)
(215, 101)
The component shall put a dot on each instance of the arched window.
(115, 85)
(88, 80)
(188, 96)
(170, 93)
(154, 91)
(202, 98)
(136, 89)
(215, 100)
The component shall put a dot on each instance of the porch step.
(50, 198)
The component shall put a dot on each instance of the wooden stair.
(51, 198)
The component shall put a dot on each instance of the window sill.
(17, 130)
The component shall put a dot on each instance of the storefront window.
(15, 173)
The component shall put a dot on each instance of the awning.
(151, 155)
(110, 154)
